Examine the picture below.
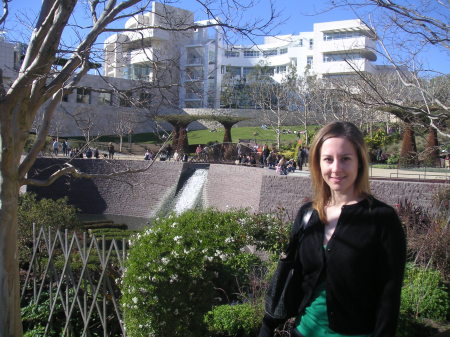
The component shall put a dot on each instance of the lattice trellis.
(61, 265)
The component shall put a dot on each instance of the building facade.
(202, 61)
(182, 65)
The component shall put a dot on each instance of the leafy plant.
(179, 268)
(233, 320)
(424, 294)
(393, 159)
(46, 213)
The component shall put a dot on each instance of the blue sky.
(296, 16)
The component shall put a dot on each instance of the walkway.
(397, 174)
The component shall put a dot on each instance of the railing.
(411, 173)
(81, 291)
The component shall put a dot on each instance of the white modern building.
(183, 65)
(198, 59)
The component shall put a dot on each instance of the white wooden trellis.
(70, 289)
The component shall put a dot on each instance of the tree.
(40, 82)
(404, 29)
(273, 98)
(179, 123)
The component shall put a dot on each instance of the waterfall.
(190, 194)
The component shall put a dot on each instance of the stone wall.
(228, 186)
(135, 194)
(234, 187)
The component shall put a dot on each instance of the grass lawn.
(254, 133)
(205, 136)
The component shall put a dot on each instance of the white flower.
(135, 300)
(177, 238)
(173, 278)
(174, 225)
(209, 258)
(228, 240)
(176, 312)
(164, 260)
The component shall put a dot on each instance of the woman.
(352, 254)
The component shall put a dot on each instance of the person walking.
(55, 146)
(65, 147)
(111, 150)
(352, 252)
(301, 157)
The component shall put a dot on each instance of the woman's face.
(339, 165)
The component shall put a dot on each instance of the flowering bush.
(182, 266)
(270, 232)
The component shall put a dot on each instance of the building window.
(251, 53)
(230, 53)
(309, 60)
(105, 98)
(247, 70)
(341, 35)
(311, 43)
(234, 71)
(281, 69)
(139, 71)
(125, 98)
(267, 53)
(341, 57)
(84, 95)
(283, 51)
(65, 98)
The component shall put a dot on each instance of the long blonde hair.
(321, 191)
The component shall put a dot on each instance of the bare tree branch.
(5, 11)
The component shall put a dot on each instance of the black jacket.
(362, 266)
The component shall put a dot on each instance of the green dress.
(314, 322)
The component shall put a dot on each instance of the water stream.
(190, 193)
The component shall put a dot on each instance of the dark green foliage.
(241, 320)
(44, 213)
(182, 266)
(424, 295)
(35, 317)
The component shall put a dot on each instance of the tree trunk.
(409, 150)
(432, 150)
(182, 146)
(176, 135)
(10, 318)
(227, 134)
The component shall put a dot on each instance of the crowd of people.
(264, 157)
(84, 152)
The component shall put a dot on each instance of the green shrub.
(46, 213)
(424, 294)
(393, 159)
(179, 268)
(270, 232)
(234, 320)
